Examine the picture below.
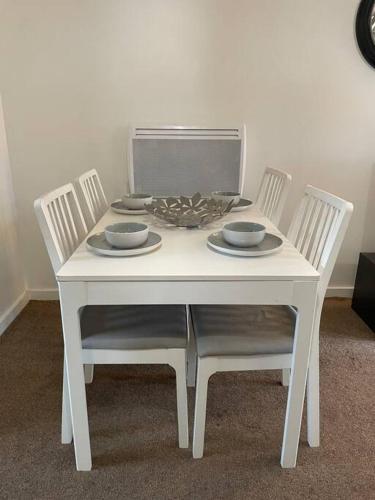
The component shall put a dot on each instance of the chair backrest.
(273, 193)
(92, 194)
(61, 222)
(171, 160)
(318, 229)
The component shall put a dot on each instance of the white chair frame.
(273, 193)
(317, 230)
(185, 133)
(63, 228)
(92, 194)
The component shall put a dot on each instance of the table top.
(185, 256)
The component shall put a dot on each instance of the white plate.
(99, 245)
(270, 244)
(120, 208)
(243, 204)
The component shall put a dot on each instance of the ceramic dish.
(243, 204)
(126, 234)
(269, 245)
(244, 234)
(226, 196)
(119, 208)
(99, 245)
(136, 201)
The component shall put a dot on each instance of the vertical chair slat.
(64, 242)
(273, 193)
(55, 228)
(275, 196)
(330, 227)
(314, 254)
(71, 221)
(312, 231)
(324, 234)
(310, 226)
(64, 209)
(295, 225)
(92, 195)
(96, 197)
(304, 223)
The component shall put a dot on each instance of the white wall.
(75, 75)
(12, 283)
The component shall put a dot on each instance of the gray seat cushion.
(133, 327)
(242, 330)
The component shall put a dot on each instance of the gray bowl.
(244, 234)
(226, 196)
(136, 201)
(126, 234)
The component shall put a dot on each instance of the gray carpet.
(133, 424)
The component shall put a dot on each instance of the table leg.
(305, 301)
(66, 419)
(191, 353)
(72, 297)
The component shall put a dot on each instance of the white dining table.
(184, 270)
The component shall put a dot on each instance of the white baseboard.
(53, 294)
(43, 294)
(13, 311)
(340, 291)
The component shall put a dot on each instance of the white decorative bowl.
(226, 196)
(244, 234)
(136, 201)
(126, 234)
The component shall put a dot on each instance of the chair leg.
(313, 399)
(66, 420)
(203, 374)
(89, 373)
(192, 369)
(285, 377)
(191, 359)
(182, 406)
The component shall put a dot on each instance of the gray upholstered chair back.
(167, 161)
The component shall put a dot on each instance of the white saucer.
(243, 204)
(269, 245)
(120, 208)
(99, 245)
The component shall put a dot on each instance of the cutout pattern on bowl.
(184, 211)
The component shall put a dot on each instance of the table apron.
(192, 292)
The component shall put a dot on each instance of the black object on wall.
(365, 30)
(364, 290)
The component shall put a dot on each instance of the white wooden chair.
(114, 334)
(234, 338)
(174, 160)
(91, 193)
(273, 193)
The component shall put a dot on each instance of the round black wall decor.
(365, 30)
